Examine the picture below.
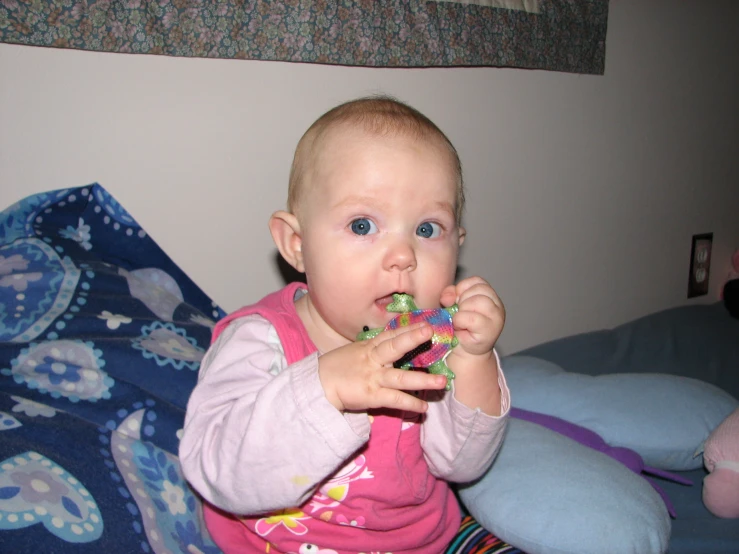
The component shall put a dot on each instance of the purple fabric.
(586, 437)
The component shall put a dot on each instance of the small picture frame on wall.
(700, 265)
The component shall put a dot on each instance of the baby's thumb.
(448, 296)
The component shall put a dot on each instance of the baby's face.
(377, 217)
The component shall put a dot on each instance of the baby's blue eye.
(363, 226)
(428, 230)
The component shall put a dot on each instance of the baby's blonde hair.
(381, 115)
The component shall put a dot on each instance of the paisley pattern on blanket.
(72, 369)
(8, 421)
(34, 489)
(158, 291)
(169, 345)
(108, 205)
(170, 512)
(17, 221)
(37, 286)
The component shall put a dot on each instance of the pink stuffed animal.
(721, 458)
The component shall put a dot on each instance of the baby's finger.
(393, 345)
(399, 400)
(404, 380)
(482, 303)
(464, 286)
(448, 296)
(467, 320)
(480, 292)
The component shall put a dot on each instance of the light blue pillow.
(664, 418)
(547, 494)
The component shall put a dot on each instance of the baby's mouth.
(382, 303)
(385, 300)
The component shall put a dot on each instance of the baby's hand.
(361, 376)
(479, 321)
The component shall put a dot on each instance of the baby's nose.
(400, 257)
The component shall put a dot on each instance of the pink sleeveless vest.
(383, 499)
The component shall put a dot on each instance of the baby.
(301, 439)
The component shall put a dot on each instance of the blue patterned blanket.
(101, 336)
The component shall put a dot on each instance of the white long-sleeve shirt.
(260, 435)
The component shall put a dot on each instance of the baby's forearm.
(477, 382)
(460, 442)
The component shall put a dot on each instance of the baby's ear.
(285, 231)
(462, 235)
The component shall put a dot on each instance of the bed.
(651, 391)
(101, 336)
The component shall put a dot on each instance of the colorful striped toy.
(431, 354)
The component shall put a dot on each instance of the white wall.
(584, 191)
